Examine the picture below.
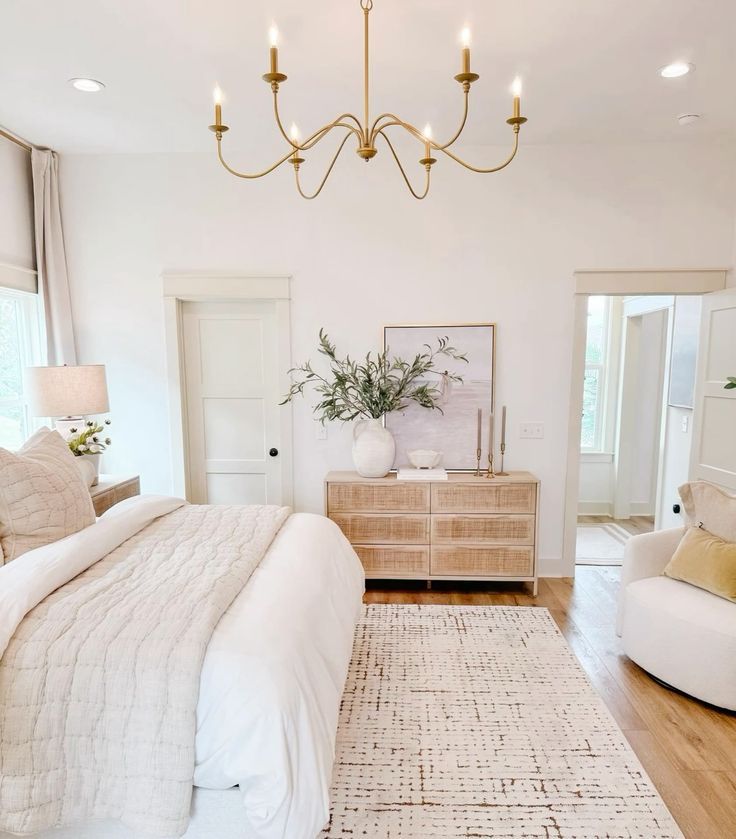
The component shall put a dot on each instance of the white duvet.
(274, 669)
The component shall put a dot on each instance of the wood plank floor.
(688, 749)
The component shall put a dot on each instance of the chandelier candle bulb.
(217, 95)
(516, 90)
(273, 37)
(465, 38)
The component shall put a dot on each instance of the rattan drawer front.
(500, 530)
(382, 498)
(363, 528)
(468, 561)
(394, 560)
(484, 498)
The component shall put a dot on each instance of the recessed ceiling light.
(676, 69)
(688, 119)
(87, 85)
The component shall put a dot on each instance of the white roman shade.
(17, 253)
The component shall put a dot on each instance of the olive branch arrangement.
(87, 441)
(731, 383)
(375, 385)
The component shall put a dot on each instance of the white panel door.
(713, 455)
(233, 357)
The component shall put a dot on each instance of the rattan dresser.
(465, 528)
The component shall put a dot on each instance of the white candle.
(503, 426)
(490, 434)
(480, 415)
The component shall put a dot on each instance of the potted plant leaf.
(368, 389)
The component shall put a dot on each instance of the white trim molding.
(613, 282)
(673, 281)
(198, 287)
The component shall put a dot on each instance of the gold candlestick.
(503, 452)
(490, 473)
(477, 463)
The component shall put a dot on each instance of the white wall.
(500, 248)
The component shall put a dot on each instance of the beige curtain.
(53, 282)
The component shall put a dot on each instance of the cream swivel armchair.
(683, 635)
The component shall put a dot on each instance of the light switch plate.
(685, 423)
(532, 430)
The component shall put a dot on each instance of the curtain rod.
(16, 140)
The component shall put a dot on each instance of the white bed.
(270, 690)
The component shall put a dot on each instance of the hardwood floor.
(634, 525)
(688, 748)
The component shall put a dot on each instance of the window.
(594, 387)
(20, 347)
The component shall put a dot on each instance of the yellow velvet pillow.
(705, 561)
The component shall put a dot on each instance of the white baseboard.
(642, 509)
(595, 508)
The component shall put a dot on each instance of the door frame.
(212, 287)
(619, 283)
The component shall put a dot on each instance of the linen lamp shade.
(66, 391)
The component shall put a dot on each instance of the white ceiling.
(589, 68)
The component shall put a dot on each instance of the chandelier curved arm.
(490, 171)
(320, 133)
(327, 173)
(394, 120)
(246, 174)
(403, 173)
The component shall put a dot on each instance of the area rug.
(600, 544)
(467, 722)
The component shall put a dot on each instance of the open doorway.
(640, 358)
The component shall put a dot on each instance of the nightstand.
(113, 488)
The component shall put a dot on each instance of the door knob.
(273, 452)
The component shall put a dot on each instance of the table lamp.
(66, 394)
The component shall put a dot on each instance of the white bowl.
(424, 458)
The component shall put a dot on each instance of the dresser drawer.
(484, 498)
(469, 561)
(394, 560)
(503, 530)
(363, 528)
(377, 498)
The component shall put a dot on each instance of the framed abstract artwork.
(454, 430)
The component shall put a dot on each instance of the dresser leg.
(535, 587)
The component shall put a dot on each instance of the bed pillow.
(43, 496)
(705, 503)
(705, 561)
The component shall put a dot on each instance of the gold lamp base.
(296, 161)
(428, 161)
(274, 77)
(218, 129)
(516, 120)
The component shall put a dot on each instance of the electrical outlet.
(685, 423)
(321, 431)
(532, 430)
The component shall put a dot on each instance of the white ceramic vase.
(374, 448)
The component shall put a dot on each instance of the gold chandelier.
(366, 132)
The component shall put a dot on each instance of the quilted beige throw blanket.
(99, 683)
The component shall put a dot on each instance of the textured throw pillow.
(43, 496)
(705, 561)
(708, 504)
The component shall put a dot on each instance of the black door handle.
(273, 452)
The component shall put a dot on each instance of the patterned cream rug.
(468, 722)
